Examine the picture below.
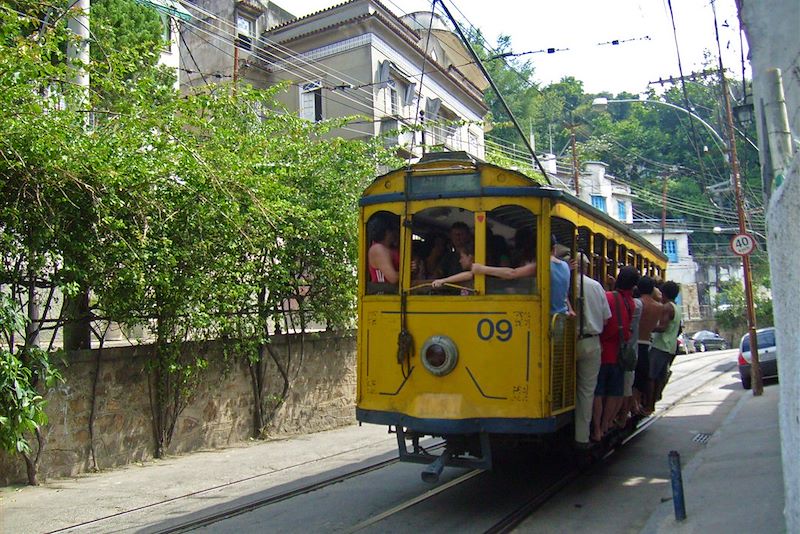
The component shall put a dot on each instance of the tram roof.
(462, 163)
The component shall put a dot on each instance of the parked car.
(767, 356)
(707, 340)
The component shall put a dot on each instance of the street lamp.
(735, 229)
(602, 103)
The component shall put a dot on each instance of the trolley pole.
(755, 367)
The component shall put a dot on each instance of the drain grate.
(701, 438)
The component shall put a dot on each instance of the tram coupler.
(431, 473)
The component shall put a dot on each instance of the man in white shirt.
(594, 312)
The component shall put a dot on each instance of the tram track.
(505, 524)
(510, 520)
(240, 509)
(516, 517)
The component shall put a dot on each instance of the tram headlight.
(439, 355)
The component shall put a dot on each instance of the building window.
(391, 103)
(389, 131)
(671, 250)
(599, 202)
(166, 30)
(246, 31)
(311, 101)
(622, 210)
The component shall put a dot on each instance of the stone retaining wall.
(219, 414)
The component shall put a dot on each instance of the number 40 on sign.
(742, 244)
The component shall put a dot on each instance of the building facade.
(356, 59)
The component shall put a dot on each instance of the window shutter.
(432, 106)
(383, 72)
(411, 93)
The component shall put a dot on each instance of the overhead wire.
(685, 92)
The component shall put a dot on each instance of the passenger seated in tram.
(383, 254)
(523, 259)
(497, 251)
(460, 238)
(436, 243)
(466, 257)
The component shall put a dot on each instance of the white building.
(673, 240)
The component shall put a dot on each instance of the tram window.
(511, 243)
(443, 244)
(599, 257)
(383, 255)
(584, 244)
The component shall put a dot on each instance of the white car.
(767, 356)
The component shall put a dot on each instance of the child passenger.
(466, 257)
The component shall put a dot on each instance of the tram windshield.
(444, 250)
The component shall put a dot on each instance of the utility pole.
(664, 213)
(235, 64)
(78, 49)
(77, 328)
(575, 174)
(755, 367)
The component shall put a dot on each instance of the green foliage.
(22, 375)
(196, 216)
(731, 310)
(123, 25)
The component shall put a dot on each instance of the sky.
(647, 49)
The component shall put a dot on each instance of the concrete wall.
(218, 415)
(771, 29)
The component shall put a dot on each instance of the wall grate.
(701, 438)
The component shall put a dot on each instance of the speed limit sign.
(742, 244)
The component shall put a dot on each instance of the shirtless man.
(664, 343)
(651, 312)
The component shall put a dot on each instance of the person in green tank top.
(664, 343)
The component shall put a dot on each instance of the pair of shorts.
(659, 364)
(642, 376)
(610, 381)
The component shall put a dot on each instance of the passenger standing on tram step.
(629, 404)
(611, 379)
(559, 281)
(383, 255)
(594, 313)
(664, 344)
(651, 312)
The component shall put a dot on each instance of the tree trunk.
(32, 463)
(77, 327)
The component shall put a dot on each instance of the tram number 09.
(501, 330)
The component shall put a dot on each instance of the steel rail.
(206, 520)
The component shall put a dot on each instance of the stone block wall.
(220, 413)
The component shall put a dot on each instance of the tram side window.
(511, 246)
(383, 256)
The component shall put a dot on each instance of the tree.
(24, 372)
(177, 213)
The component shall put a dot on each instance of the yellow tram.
(484, 358)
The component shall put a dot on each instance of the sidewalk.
(736, 483)
(732, 484)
